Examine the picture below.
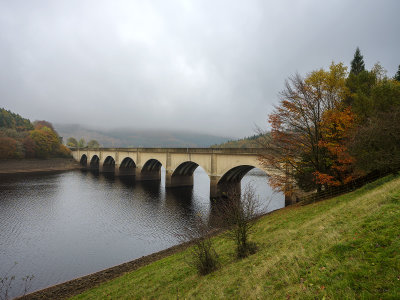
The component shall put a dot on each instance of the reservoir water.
(57, 227)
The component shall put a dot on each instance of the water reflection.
(61, 226)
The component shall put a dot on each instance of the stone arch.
(235, 174)
(109, 164)
(230, 181)
(127, 166)
(152, 165)
(182, 175)
(84, 160)
(94, 162)
(185, 169)
(151, 170)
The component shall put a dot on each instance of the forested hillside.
(254, 141)
(19, 138)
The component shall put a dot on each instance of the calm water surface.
(61, 226)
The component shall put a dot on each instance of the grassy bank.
(346, 247)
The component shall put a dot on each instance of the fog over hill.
(130, 137)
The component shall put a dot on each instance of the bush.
(203, 255)
(237, 214)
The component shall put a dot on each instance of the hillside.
(139, 138)
(255, 141)
(342, 248)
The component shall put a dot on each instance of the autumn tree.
(8, 147)
(357, 64)
(294, 148)
(46, 141)
(72, 142)
(336, 126)
(43, 123)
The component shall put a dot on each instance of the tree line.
(19, 138)
(332, 126)
(73, 143)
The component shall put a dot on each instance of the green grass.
(342, 248)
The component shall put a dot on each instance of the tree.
(203, 255)
(237, 213)
(72, 142)
(376, 145)
(93, 144)
(294, 148)
(397, 76)
(336, 126)
(29, 146)
(82, 143)
(46, 141)
(357, 64)
(11, 120)
(43, 123)
(8, 147)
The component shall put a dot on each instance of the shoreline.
(78, 285)
(37, 166)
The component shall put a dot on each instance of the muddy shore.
(22, 166)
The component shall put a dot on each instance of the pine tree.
(357, 64)
(397, 76)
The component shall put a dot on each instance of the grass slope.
(345, 247)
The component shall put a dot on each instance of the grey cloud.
(207, 66)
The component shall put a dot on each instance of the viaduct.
(225, 166)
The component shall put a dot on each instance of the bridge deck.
(181, 150)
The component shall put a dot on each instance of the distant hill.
(254, 141)
(139, 138)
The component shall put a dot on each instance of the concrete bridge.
(225, 166)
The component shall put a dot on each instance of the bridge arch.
(182, 175)
(94, 162)
(109, 164)
(127, 167)
(151, 170)
(185, 169)
(231, 180)
(84, 160)
(235, 174)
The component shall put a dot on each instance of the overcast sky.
(206, 66)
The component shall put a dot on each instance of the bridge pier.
(144, 175)
(223, 189)
(177, 180)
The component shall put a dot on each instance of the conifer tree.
(357, 64)
(397, 76)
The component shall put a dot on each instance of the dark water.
(61, 226)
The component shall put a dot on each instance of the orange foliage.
(336, 125)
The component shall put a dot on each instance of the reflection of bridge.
(225, 166)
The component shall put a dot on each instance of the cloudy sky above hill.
(206, 66)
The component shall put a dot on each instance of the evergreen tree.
(357, 64)
(397, 76)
